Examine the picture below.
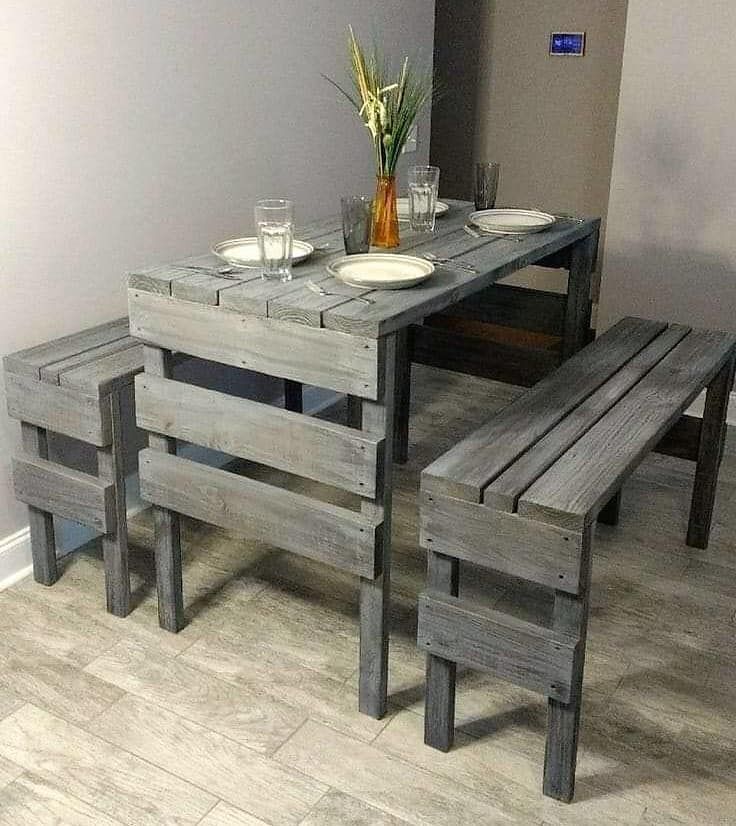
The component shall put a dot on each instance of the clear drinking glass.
(486, 185)
(356, 223)
(275, 229)
(424, 182)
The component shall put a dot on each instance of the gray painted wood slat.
(577, 306)
(710, 453)
(166, 523)
(521, 652)
(65, 492)
(504, 491)
(58, 409)
(52, 372)
(317, 449)
(337, 361)
(205, 289)
(465, 470)
(493, 259)
(580, 482)
(339, 537)
(29, 362)
(500, 541)
(443, 577)
(107, 374)
(111, 469)
(41, 522)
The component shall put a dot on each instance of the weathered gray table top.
(492, 256)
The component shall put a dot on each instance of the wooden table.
(335, 342)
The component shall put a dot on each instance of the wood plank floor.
(248, 717)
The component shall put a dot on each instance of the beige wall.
(140, 131)
(671, 248)
(549, 121)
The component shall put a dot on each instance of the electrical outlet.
(411, 141)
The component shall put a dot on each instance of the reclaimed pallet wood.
(65, 492)
(107, 374)
(578, 307)
(334, 360)
(504, 491)
(337, 536)
(29, 362)
(580, 482)
(58, 409)
(500, 541)
(317, 449)
(52, 372)
(467, 469)
(493, 258)
(41, 522)
(530, 655)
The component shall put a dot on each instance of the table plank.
(493, 258)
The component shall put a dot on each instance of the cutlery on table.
(449, 262)
(223, 272)
(476, 232)
(315, 288)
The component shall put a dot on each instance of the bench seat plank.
(30, 362)
(51, 372)
(572, 491)
(468, 468)
(106, 373)
(529, 655)
(503, 493)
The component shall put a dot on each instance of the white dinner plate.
(243, 252)
(402, 207)
(381, 270)
(512, 221)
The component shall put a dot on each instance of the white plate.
(402, 207)
(243, 252)
(516, 221)
(381, 270)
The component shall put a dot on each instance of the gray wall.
(142, 131)
(549, 121)
(671, 247)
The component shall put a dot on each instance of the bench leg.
(611, 511)
(293, 396)
(375, 594)
(710, 452)
(403, 397)
(563, 719)
(43, 544)
(110, 467)
(439, 708)
(166, 523)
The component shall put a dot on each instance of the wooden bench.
(521, 496)
(72, 386)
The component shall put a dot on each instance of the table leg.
(577, 309)
(115, 544)
(167, 530)
(375, 594)
(403, 397)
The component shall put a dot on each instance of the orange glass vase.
(385, 231)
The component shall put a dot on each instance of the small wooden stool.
(73, 386)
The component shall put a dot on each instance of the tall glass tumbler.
(486, 184)
(356, 223)
(275, 230)
(424, 182)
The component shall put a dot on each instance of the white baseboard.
(15, 557)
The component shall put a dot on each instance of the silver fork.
(223, 272)
(315, 288)
(450, 262)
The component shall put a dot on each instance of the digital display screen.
(567, 43)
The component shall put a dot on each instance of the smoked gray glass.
(356, 223)
(424, 182)
(486, 185)
(275, 230)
